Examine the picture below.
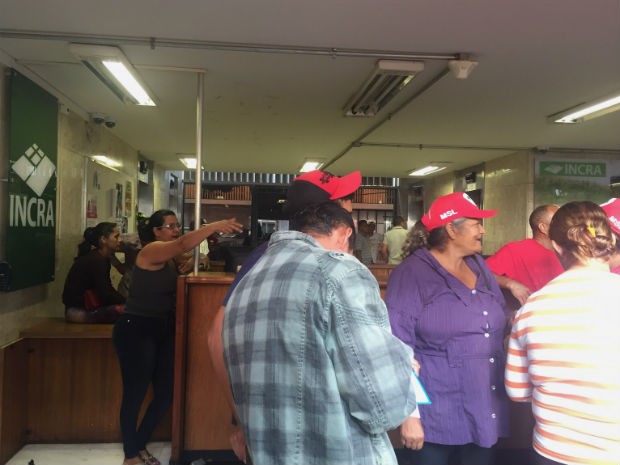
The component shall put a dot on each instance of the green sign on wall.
(569, 168)
(33, 141)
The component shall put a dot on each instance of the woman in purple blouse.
(445, 304)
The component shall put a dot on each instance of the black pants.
(440, 454)
(145, 350)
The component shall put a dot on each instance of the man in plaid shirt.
(316, 374)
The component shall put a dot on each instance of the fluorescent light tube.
(126, 79)
(106, 161)
(388, 78)
(112, 67)
(588, 111)
(310, 165)
(427, 170)
(190, 163)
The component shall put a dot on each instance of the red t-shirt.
(527, 262)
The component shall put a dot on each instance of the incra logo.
(447, 214)
(36, 170)
(613, 220)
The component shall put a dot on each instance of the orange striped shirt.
(564, 357)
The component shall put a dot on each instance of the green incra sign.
(571, 168)
(33, 142)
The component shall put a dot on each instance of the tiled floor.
(82, 454)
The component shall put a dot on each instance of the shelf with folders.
(231, 195)
(374, 198)
(216, 202)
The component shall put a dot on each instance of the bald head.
(540, 219)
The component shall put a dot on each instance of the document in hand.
(421, 395)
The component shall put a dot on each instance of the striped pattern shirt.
(564, 357)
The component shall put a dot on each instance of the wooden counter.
(201, 418)
(60, 383)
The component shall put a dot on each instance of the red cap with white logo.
(450, 207)
(612, 210)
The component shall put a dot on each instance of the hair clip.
(591, 230)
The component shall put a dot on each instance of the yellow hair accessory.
(591, 230)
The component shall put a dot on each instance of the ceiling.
(278, 73)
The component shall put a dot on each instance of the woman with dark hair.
(144, 334)
(564, 347)
(445, 304)
(88, 294)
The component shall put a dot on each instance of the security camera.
(110, 123)
(98, 118)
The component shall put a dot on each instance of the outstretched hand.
(227, 226)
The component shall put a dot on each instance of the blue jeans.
(440, 454)
(145, 350)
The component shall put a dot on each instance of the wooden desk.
(381, 271)
(58, 328)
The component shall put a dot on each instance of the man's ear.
(543, 228)
(343, 233)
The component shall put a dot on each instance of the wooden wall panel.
(13, 398)
(75, 392)
(208, 417)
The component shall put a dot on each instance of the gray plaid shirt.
(316, 374)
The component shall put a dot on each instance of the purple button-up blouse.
(457, 336)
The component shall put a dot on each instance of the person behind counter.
(88, 294)
(143, 335)
(564, 347)
(393, 241)
(444, 302)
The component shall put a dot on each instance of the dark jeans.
(440, 454)
(145, 350)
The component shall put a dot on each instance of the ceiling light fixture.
(106, 161)
(113, 68)
(427, 170)
(311, 165)
(387, 79)
(189, 162)
(461, 69)
(587, 111)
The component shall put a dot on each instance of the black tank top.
(152, 293)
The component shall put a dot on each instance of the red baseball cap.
(450, 207)
(318, 186)
(612, 210)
